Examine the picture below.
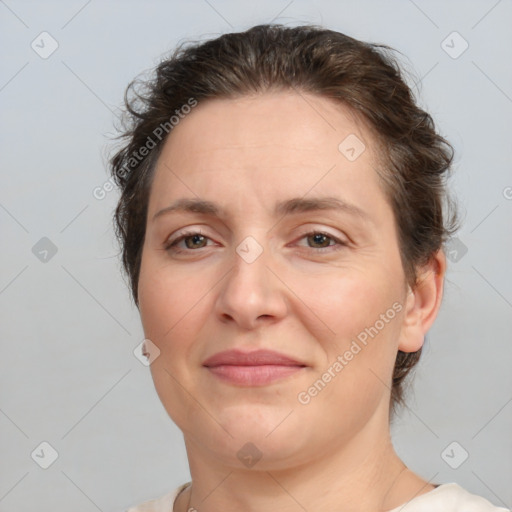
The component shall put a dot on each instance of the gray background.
(68, 375)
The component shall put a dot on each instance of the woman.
(282, 220)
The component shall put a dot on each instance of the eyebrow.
(289, 207)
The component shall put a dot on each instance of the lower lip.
(253, 375)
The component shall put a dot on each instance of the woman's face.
(270, 268)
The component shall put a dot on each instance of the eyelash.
(171, 247)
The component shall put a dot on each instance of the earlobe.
(423, 303)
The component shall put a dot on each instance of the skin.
(247, 154)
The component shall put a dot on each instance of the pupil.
(195, 240)
(319, 238)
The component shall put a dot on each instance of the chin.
(256, 430)
(256, 451)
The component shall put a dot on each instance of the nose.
(251, 293)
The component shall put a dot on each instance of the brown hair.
(363, 76)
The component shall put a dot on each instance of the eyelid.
(339, 241)
(184, 233)
(322, 230)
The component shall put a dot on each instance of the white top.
(445, 498)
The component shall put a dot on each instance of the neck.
(362, 475)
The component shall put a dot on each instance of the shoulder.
(163, 504)
(451, 498)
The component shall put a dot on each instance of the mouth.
(257, 368)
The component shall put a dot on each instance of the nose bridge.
(249, 250)
(249, 275)
(250, 290)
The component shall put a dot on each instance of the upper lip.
(255, 358)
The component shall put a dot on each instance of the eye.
(192, 239)
(322, 241)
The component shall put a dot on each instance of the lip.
(256, 368)
(254, 358)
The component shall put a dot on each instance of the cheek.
(175, 304)
(364, 312)
(168, 298)
(171, 304)
(350, 302)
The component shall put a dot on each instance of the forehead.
(267, 145)
(264, 123)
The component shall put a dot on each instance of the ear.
(422, 303)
